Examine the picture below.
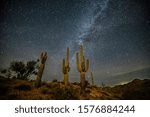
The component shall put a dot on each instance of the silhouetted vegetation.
(23, 87)
(82, 66)
(63, 94)
(20, 70)
(14, 83)
(66, 68)
(54, 80)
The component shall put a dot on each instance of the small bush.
(44, 83)
(76, 83)
(63, 94)
(23, 87)
(54, 80)
(45, 90)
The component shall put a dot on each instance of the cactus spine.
(41, 69)
(66, 68)
(81, 66)
(92, 78)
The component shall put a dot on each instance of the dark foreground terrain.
(25, 90)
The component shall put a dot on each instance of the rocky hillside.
(25, 90)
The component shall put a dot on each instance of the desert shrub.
(45, 90)
(23, 87)
(76, 83)
(103, 85)
(63, 94)
(52, 84)
(54, 80)
(5, 73)
(48, 85)
(20, 70)
(44, 83)
(87, 90)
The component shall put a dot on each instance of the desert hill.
(13, 89)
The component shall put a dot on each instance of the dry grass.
(25, 90)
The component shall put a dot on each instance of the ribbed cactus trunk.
(82, 79)
(66, 80)
(82, 67)
(66, 68)
(41, 69)
(92, 78)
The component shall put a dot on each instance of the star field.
(115, 35)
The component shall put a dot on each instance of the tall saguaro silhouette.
(82, 66)
(41, 69)
(66, 68)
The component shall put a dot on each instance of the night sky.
(115, 35)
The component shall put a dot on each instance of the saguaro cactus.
(82, 67)
(92, 78)
(41, 69)
(66, 68)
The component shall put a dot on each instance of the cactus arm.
(83, 60)
(45, 56)
(81, 53)
(68, 69)
(41, 55)
(87, 65)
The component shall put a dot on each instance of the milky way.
(115, 35)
